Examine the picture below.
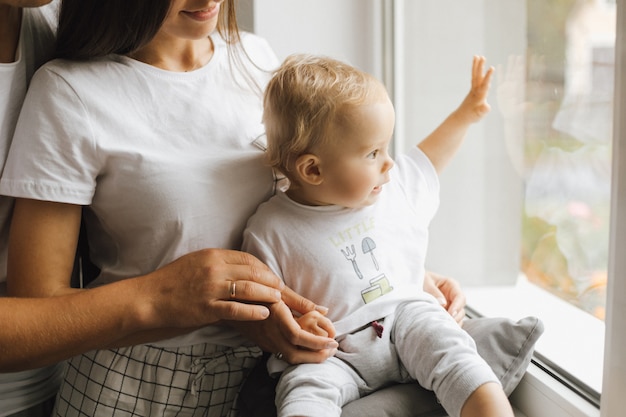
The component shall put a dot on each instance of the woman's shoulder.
(63, 65)
(256, 48)
(254, 40)
(247, 39)
(86, 79)
(76, 70)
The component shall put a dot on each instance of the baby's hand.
(475, 105)
(316, 323)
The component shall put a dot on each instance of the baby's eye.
(373, 154)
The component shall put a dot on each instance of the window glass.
(525, 205)
(567, 132)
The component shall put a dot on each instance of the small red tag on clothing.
(378, 328)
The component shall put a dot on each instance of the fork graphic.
(350, 255)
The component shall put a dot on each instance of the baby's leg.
(442, 357)
(312, 390)
(488, 400)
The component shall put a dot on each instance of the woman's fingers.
(243, 266)
(281, 333)
(245, 290)
(239, 288)
(298, 303)
(212, 285)
(236, 311)
(234, 275)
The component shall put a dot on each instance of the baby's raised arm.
(441, 145)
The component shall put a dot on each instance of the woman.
(150, 120)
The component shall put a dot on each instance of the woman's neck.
(10, 22)
(178, 55)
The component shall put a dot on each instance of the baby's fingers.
(480, 78)
(327, 326)
(315, 323)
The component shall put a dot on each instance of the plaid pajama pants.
(143, 380)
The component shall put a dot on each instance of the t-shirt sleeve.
(52, 156)
(255, 243)
(419, 181)
(13, 84)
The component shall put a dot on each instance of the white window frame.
(614, 382)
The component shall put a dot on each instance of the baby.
(351, 233)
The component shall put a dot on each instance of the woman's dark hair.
(95, 28)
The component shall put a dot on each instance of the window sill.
(540, 395)
(573, 340)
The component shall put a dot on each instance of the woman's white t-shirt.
(167, 162)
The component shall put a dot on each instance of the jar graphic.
(379, 286)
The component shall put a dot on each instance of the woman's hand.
(198, 289)
(448, 292)
(213, 285)
(281, 333)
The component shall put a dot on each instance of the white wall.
(345, 29)
(475, 235)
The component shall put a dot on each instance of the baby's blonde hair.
(306, 96)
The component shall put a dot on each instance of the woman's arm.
(41, 331)
(42, 248)
(69, 321)
(10, 17)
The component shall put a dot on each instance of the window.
(566, 131)
(525, 214)
(478, 235)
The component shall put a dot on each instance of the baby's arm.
(316, 323)
(441, 145)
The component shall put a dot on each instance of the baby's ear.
(307, 168)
